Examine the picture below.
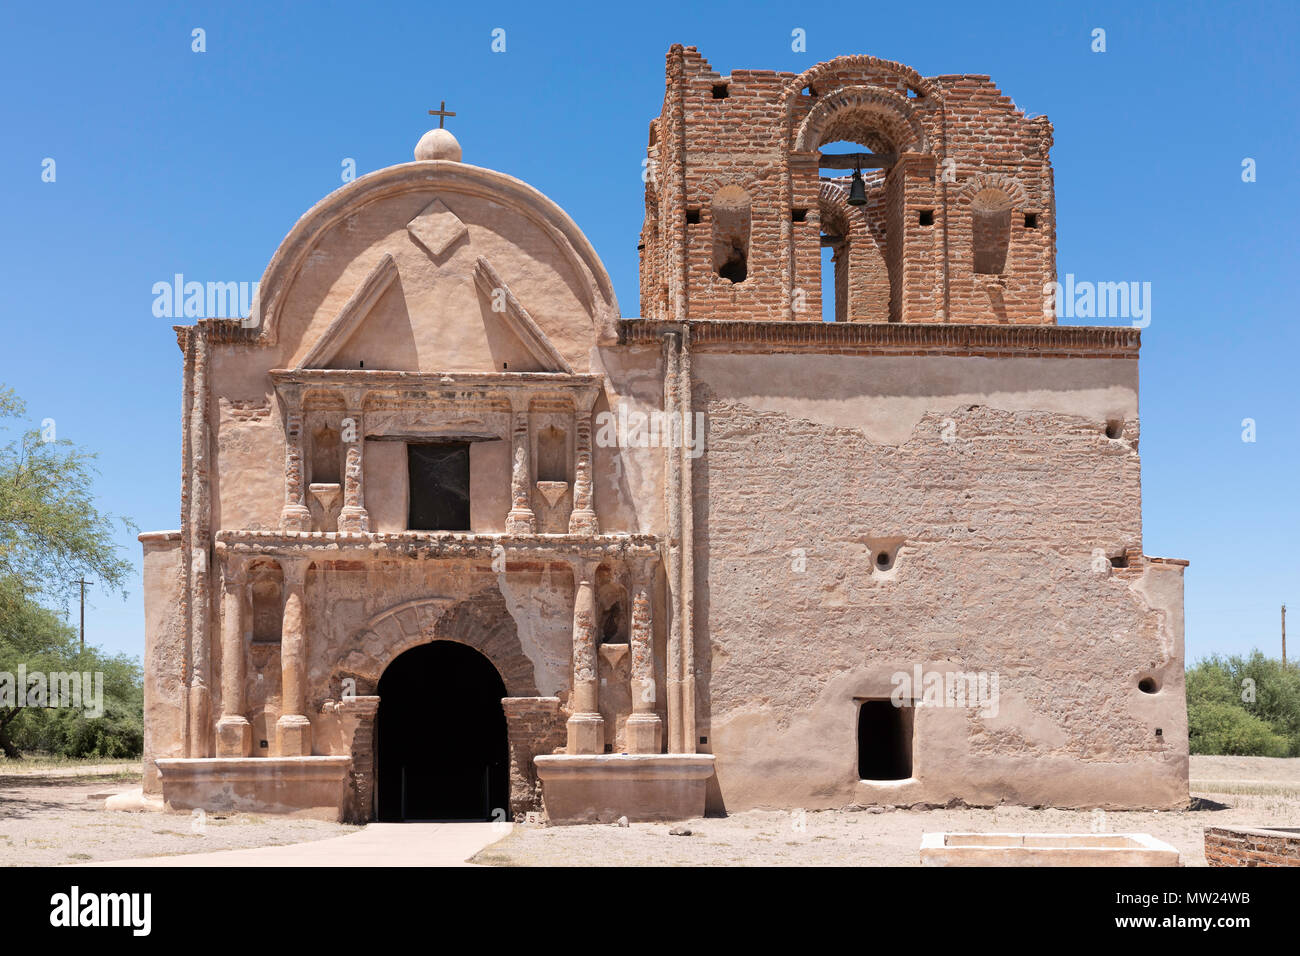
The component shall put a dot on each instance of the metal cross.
(442, 113)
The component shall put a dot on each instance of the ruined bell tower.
(751, 175)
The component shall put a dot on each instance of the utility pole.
(83, 582)
(1283, 637)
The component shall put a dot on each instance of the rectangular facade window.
(884, 740)
(439, 486)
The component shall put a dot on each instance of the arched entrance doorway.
(440, 736)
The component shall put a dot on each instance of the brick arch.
(482, 622)
(836, 113)
(868, 287)
(816, 76)
(710, 185)
(1009, 185)
(833, 198)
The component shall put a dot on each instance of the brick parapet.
(1055, 341)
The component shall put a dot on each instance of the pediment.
(459, 270)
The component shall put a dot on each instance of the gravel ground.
(55, 815)
(1251, 790)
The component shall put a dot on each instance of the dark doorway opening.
(439, 485)
(884, 741)
(440, 737)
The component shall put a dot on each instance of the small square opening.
(926, 217)
(884, 740)
(1031, 220)
(720, 91)
(693, 217)
(798, 215)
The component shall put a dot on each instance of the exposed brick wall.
(1250, 846)
(535, 726)
(762, 131)
(360, 800)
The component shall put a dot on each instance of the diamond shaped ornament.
(436, 228)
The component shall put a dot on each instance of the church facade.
(459, 540)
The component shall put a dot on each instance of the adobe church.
(459, 540)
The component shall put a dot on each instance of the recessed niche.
(926, 217)
(1114, 428)
(266, 585)
(1149, 685)
(552, 454)
(720, 91)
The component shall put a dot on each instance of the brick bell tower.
(934, 194)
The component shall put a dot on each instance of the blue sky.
(173, 161)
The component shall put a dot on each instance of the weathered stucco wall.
(991, 486)
(164, 653)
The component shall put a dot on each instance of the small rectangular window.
(439, 486)
(884, 740)
(798, 215)
(693, 217)
(1031, 220)
(720, 91)
(926, 217)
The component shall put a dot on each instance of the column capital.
(295, 573)
(234, 572)
(584, 568)
(584, 399)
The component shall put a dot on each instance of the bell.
(857, 190)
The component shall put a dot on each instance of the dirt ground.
(1231, 790)
(51, 815)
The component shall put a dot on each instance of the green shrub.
(1244, 706)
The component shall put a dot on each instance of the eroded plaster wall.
(164, 653)
(993, 487)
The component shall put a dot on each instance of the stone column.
(234, 733)
(582, 520)
(521, 519)
(586, 727)
(295, 516)
(644, 728)
(353, 517)
(293, 727)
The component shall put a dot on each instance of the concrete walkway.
(378, 844)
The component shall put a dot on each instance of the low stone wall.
(312, 787)
(1252, 846)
